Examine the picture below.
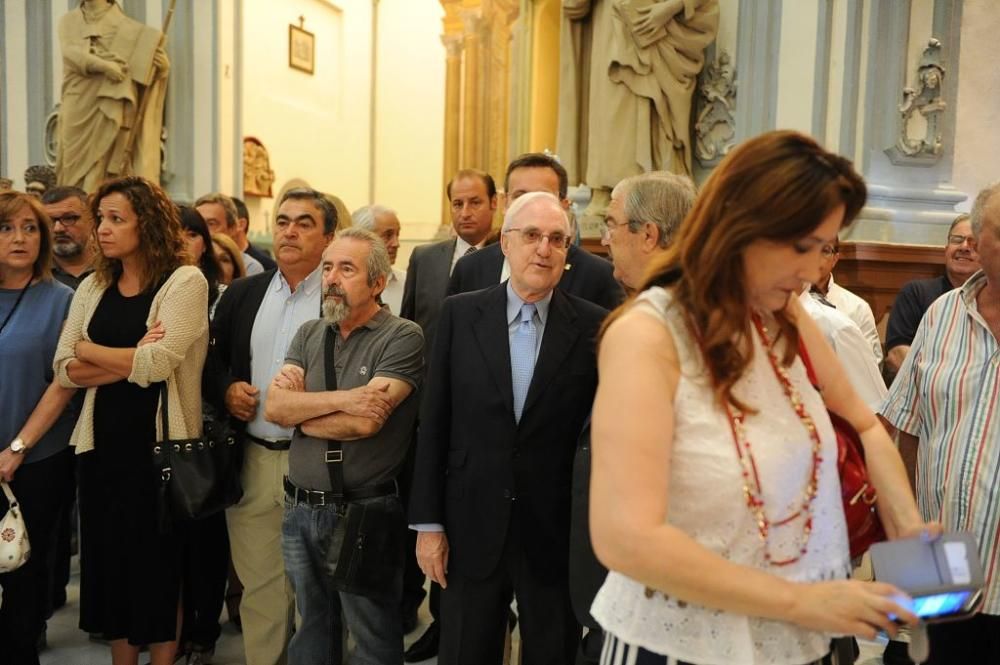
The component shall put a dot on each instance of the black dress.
(129, 582)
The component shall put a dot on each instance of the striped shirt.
(947, 394)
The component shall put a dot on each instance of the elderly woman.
(34, 427)
(715, 500)
(138, 321)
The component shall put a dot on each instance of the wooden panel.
(876, 271)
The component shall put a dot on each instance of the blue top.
(27, 346)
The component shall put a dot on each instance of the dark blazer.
(586, 276)
(476, 467)
(229, 347)
(263, 257)
(426, 286)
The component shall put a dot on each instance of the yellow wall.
(318, 127)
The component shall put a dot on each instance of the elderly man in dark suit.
(511, 380)
(585, 275)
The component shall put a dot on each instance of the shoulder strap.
(334, 449)
(164, 416)
(804, 354)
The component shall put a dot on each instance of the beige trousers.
(268, 606)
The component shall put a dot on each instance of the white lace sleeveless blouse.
(706, 501)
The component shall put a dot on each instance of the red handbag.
(863, 524)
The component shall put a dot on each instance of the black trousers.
(204, 573)
(40, 491)
(474, 613)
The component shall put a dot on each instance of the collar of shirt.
(514, 304)
(307, 286)
(461, 247)
(971, 289)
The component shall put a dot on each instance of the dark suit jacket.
(426, 286)
(229, 349)
(476, 467)
(589, 277)
(263, 257)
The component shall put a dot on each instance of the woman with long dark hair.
(138, 322)
(715, 499)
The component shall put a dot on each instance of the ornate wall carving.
(715, 123)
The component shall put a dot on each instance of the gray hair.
(227, 204)
(378, 256)
(537, 198)
(365, 216)
(657, 197)
(978, 208)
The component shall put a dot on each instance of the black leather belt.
(327, 498)
(280, 444)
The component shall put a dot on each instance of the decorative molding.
(849, 91)
(821, 70)
(52, 136)
(926, 100)
(715, 123)
(758, 45)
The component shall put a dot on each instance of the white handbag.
(14, 546)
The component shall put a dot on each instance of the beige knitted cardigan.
(178, 358)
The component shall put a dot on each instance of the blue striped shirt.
(946, 394)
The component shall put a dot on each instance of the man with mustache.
(350, 442)
(960, 262)
(72, 230)
(254, 323)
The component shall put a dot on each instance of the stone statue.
(38, 179)
(715, 127)
(109, 62)
(257, 173)
(628, 71)
(925, 100)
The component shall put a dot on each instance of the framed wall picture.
(301, 49)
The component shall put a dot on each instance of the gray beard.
(67, 249)
(334, 312)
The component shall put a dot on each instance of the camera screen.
(940, 604)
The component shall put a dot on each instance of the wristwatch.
(17, 446)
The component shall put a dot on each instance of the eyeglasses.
(607, 226)
(532, 236)
(69, 219)
(960, 239)
(829, 250)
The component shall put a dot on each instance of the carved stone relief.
(257, 173)
(715, 124)
(926, 101)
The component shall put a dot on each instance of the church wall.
(977, 138)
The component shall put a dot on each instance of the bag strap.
(164, 416)
(334, 449)
(810, 372)
(9, 493)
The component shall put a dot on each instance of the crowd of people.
(630, 445)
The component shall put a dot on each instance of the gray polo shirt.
(386, 346)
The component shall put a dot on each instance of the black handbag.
(367, 546)
(196, 477)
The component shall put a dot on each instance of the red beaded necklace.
(751, 479)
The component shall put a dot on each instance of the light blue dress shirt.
(278, 319)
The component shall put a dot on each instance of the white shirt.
(461, 248)
(392, 296)
(852, 349)
(706, 502)
(253, 266)
(278, 319)
(857, 310)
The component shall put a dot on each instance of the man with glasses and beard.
(370, 409)
(72, 230)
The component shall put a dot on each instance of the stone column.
(472, 91)
(452, 113)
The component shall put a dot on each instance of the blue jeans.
(375, 623)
